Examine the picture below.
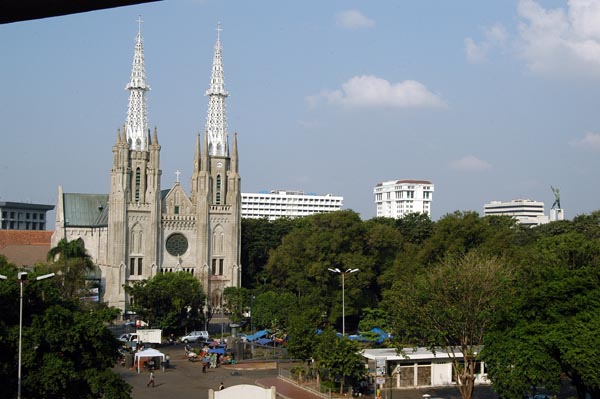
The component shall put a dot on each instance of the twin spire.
(216, 122)
(136, 125)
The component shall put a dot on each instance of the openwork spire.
(216, 122)
(136, 125)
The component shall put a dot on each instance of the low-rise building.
(23, 216)
(527, 212)
(417, 367)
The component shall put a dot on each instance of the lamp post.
(205, 311)
(251, 321)
(343, 274)
(22, 277)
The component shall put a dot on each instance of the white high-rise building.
(526, 211)
(397, 198)
(283, 203)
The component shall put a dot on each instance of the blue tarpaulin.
(218, 351)
(257, 335)
(264, 341)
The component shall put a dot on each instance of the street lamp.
(22, 277)
(251, 321)
(348, 271)
(205, 311)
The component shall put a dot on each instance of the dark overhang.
(24, 10)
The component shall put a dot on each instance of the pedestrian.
(221, 387)
(151, 382)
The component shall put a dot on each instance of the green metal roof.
(86, 210)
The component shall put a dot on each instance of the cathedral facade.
(138, 229)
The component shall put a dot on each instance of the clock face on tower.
(219, 164)
(176, 244)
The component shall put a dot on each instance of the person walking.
(151, 382)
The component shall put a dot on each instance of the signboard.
(380, 366)
(380, 380)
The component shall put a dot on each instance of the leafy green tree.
(259, 237)
(415, 227)
(272, 309)
(460, 232)
(238, 302)
(338, 358)
(169, 301)
(375, 318)
(451, 307)
(67, 350)
(557, 311)
(302, 333)
(319, 242)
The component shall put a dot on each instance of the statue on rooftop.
(556, 192)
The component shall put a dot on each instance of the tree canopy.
(171, 301)
(68, 352)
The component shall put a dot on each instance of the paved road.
(186, 380)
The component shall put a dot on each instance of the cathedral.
(138, 230)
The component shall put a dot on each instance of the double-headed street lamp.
(22, 277)
(338, 271)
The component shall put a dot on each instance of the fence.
(306, 379)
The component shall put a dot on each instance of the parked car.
(195, 336)
(124, 337)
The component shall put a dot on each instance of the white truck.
(152, 336)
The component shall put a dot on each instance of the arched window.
(138, 175)
(218, 196)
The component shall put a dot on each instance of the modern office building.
(23, 216)
(527, 212)
(397, 198)
(283, 203)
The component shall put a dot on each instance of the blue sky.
(488, 100)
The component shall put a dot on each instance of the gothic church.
(139, 230)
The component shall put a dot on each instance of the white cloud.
(589, 141)
(558, 41)
(353, 19)
(470, 163)
(371, 91)
(495, 36)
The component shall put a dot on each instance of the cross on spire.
(177, 173)
(219, 30)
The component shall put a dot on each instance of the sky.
(488, 100)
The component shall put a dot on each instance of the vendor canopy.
(151, 353)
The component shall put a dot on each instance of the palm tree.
(73, 266)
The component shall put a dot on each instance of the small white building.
(284, 203)
(397, 198)
(416, 367)
(527, 212)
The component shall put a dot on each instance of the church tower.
(216, 193)
(134, 202)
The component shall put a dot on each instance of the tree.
(238, 301)
(338, 358)
(170, 301)
(73, 268)
(272, 309)
(302, 333)
(451, 307)
(67, 351)
(319, 242)
(374, 318)
(259, 237)
(556, 313)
